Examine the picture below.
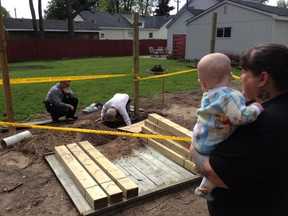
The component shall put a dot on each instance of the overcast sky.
(20, 8)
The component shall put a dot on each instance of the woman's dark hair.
(272, 58)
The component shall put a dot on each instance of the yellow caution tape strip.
(54, 79)
(169, 74)
(10, 124)
(87, 77)
(236, 77)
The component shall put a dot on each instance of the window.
(102, 35)
(141, 25)
(224, 32)
(150, 35)
(130, 34)
(225, 9)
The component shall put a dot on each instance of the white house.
(120, 26)
(176, 28)
(240, 25)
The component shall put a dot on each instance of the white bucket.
(8, 141)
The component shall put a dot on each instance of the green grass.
(27, 98)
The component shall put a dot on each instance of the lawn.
(27, 98)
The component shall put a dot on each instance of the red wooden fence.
(30, 50)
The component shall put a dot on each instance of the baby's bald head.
(213, 68)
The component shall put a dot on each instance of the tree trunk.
(34, 21)
(41, 28)
(70, 20)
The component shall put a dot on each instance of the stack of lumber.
(97, 178)
(177, 151)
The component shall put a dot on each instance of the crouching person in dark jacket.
(61, 101)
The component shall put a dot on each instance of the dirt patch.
(40, 193)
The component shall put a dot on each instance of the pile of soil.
(29, 187)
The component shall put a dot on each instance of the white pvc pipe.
(8, 141)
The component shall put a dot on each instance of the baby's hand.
(258, 105)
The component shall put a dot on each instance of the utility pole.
(15, 12)
(178, 1)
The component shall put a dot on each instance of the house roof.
(105, 19)
(11, 24)
(262, 7)
(267, 9)
(152, 21)
(114, 20)
(194, 12)
(190, 9)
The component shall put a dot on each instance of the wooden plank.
(155, 118)
(154, 173)
(170, 126)
(139, 176)
(112, 171)
(170, 163)
(179, 159)
(175, 146)
(151, 125)
(92, 168)
(96, 197)
(188, 164)
(134, 128)
(169, 172)
(76, 196)
(162, 131)
(85, 183)
(86, 146)
(113, 192)
(129, 188)
(142, 186)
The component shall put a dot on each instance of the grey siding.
(248, 28)
(178, 27)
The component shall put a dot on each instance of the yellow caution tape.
(236, 77)
(54, 79)
(169, 74)
(57, 79)
(95, 131)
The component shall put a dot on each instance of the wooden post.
(213, 32)
(136, 63)
(5, 75)
(163, 90)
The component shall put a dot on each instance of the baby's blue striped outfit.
(222, 110)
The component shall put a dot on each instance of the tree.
(163, 8)
(125, 6)
(282, 3)
(5, 13)
(38, 33)
(34, 22)
(145, 6)
(56, 10)
(41, 27)
(67, 9)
